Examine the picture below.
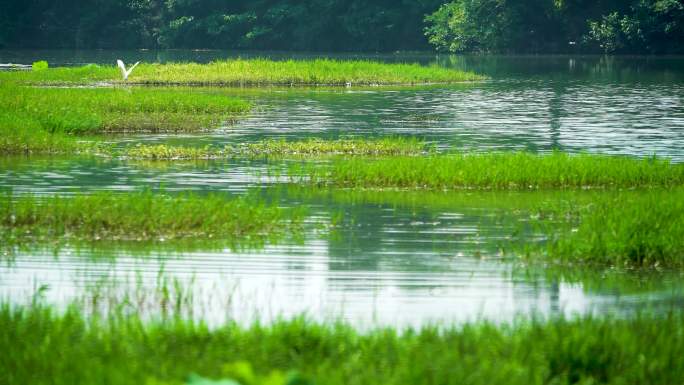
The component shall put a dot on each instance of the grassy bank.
(281, 148)
(102, 110)
(507, 170)
(629, 229)
(253, 72)
(21, 134)
(144, 216)
(47, 120)
(44, 347)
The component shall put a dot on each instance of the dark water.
(393, 258)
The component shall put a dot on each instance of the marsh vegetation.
(253, 72)
(400, 219)
(560, 351)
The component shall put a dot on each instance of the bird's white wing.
(122, 67)
(131, 69)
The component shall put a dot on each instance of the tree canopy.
(510, 26)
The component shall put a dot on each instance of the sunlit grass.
(23, 135)
(143, 216)
(43, 346)
(47, 120)
(253, 72)
(628, 229)
(505, 170)
(281, 148)
(102, 110)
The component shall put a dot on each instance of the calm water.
(393, 258)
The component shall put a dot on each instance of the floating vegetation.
(44, 346)
(505, 170)
(280, 148)
(627, 229)
(254, 72)
(144, 216)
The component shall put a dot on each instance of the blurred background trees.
(505, 26)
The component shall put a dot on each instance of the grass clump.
(628, 229)
(281, 148)
(42, 346)
(25, 135)
(143, 216)
(506, 170)
(256, 72)
(39, 65)
(47, 120)
(100, 110)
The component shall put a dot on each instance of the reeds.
(253, 72)
(43, 346)
(503, 171)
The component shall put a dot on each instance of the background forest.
(503, 26)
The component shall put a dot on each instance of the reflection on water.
(394, 257)
(399, 258)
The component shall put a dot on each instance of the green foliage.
(42, 346)
(254, 72)
(45, 120)
(143, 216)
(629, 229)
(337, 25)
(22, 135)
(39, 65)
(241, 373)
(506, 170)
(281, 148)
(634, 26)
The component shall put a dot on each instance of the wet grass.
(144, 216)
(23, 135)
(632, 229)
(252, 72)
(89, 111)
(43, 346)
(503, 171)
(281, 148)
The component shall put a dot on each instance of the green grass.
(632, 229)
(144, 216)
(253, 72)
(46, 120)
(42, 346)
(20, 134)
(281, 148)
(504, 171)
(101, 110)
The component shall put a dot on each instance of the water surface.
(389, 258)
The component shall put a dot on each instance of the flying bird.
(125, 73)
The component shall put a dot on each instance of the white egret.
(125, 73)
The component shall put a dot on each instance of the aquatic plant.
(44, 346)
(144, 216)
(503, 170)
(280, 148)
(23, 135)
(100, 110)
(627, 229)
(255, 72)
(39, 65)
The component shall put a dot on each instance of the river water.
(393, 258)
